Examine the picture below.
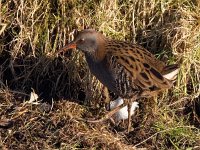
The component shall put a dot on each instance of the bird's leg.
(106, 97)
(129, 102)
(129, 116)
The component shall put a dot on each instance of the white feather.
(122, 114)
(171, 75)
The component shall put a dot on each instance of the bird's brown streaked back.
(142, 66)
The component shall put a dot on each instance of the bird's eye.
(81, 40)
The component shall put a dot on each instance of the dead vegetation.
(32, 31)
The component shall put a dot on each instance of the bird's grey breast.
(102, 72)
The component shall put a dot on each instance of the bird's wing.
(138, 66)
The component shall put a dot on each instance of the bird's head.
(88, 41)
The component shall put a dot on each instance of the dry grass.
(32, 31)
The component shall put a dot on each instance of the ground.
(31, 32)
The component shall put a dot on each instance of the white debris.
(122, 114)
(33, 98)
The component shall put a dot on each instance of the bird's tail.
(170, 72)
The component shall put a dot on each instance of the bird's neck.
(100, 53)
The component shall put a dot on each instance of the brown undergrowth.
(32, 31)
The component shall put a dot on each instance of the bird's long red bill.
(67, 47)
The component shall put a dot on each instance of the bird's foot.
(108, 115)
